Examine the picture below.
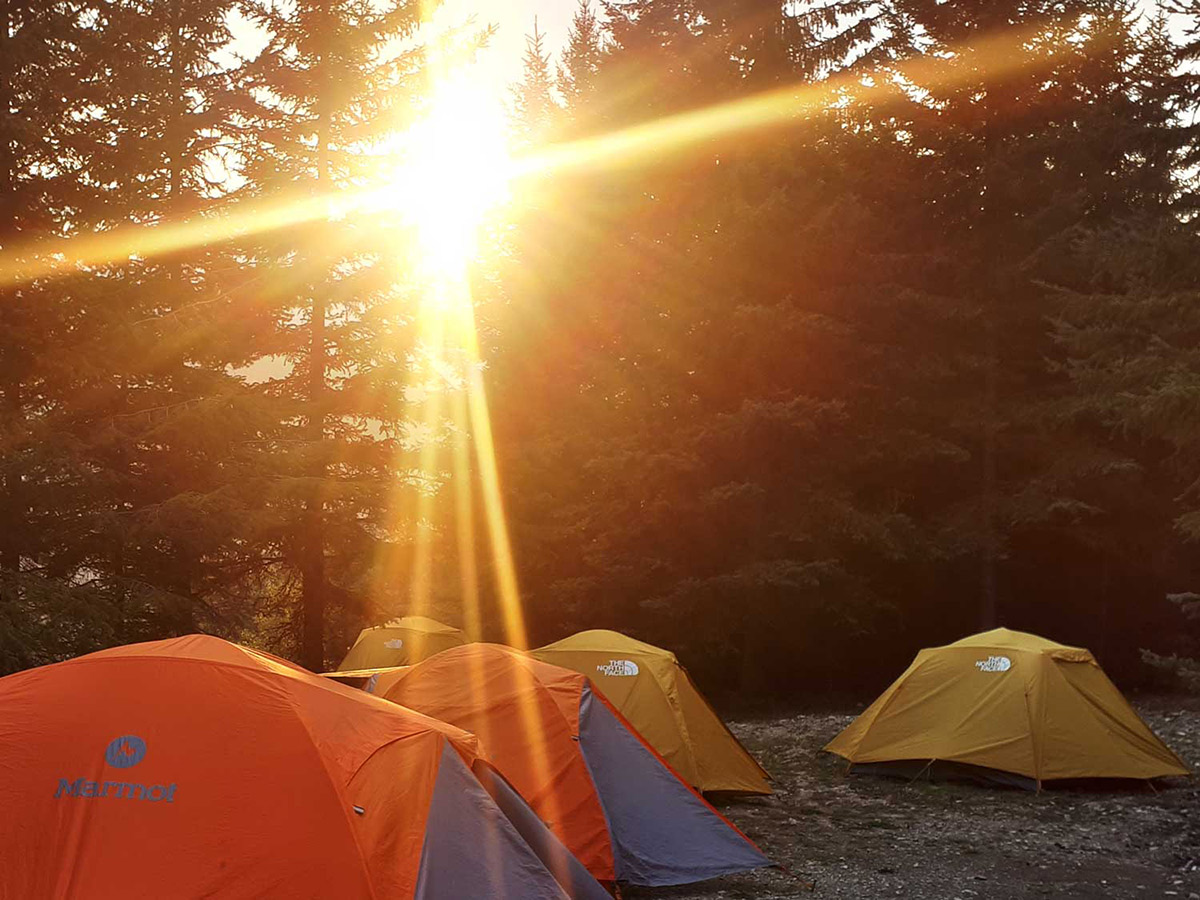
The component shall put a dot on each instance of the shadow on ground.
(865, 836)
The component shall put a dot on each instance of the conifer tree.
(980, 125)
(534, 109)
(156, 379)
(329, 84)
(806, 374)
(40, 106)
(687, 357)
(580, 64)
(1124, 324)
(661, 59)
(75, 90)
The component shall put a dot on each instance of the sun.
(445, 177)
(454, 172)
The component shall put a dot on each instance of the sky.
(513, 20)
(500, 62)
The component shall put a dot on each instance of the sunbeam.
(466, 199)
(442, 178)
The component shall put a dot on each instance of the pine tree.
(580, 64)
(805, 374)
(40, 105)
(1186, 82)
(706, 383)
(765, 39)
(660, 59)
(534, 109)
(1125, 325)
(157, 376)
(1012, 167)
(38, 76)
(328, 459)
(88, 131)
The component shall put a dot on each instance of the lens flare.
(459, 168)
(453, 173)
(444, 177)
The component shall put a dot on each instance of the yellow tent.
(1006, 702)
(401, 642)
(653, 691)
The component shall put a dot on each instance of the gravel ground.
(867, 836)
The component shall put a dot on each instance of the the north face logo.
(127, 750)
(618, 668)
(994, 664)
(394, 644)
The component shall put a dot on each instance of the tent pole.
(922, 772)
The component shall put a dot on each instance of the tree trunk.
(990, 276)
(988, 603)
(313, 592)
(10, 525)
(186, 558)
(313, 564)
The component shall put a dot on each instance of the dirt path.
(870, 837)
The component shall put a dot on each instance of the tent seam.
(340, 792)
(899, 683)
(1038, 747)
(741, 747)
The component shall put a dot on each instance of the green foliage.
(780, 402)
(325, 460)
(790, 401)
(146, 460)
(581, 58)
(533, 106)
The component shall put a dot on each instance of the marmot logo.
(994, 664)
(121, 753)
(125, 751)
(618, 668)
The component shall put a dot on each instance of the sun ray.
(990, 58)
(421, 578)
(452, 171)
(464, 520)
(449, 171)
(504, 566)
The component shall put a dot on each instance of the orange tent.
(654, 692)
(608, 796)
(193, 767)
(1006, 706)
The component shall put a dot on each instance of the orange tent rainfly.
(610, 799)
(400, 642)
(653, 691)
(1006, 706)
(194, 767)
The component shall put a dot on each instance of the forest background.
(860, 326)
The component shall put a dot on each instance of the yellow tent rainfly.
(652, 690)
(401, 642)
(1006, 706)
